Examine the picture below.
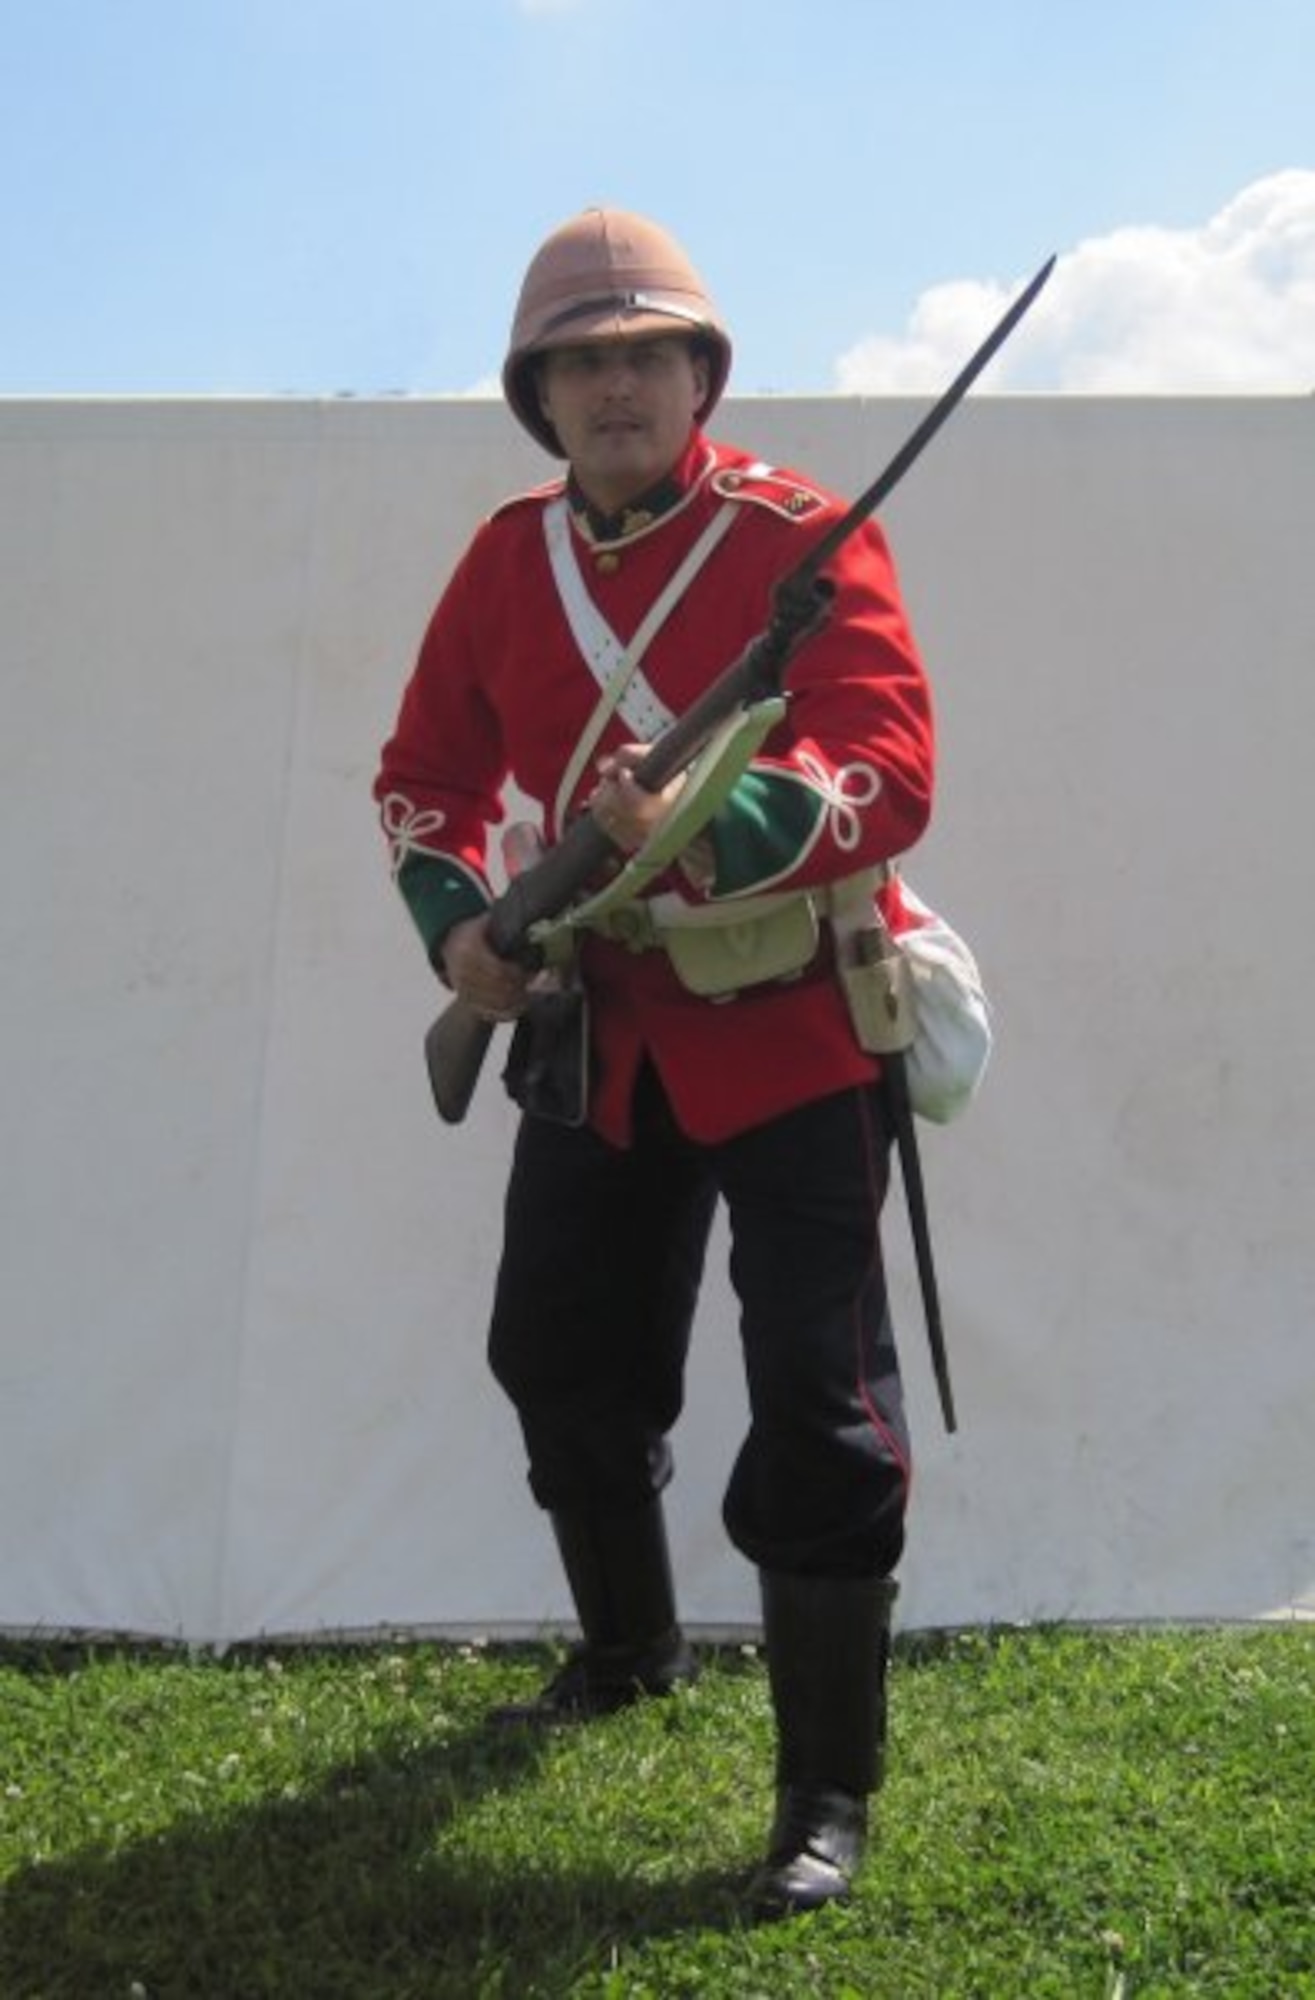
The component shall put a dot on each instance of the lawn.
(1068, 1813)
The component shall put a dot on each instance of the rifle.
(457, 1042)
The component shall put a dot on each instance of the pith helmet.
(607, 275)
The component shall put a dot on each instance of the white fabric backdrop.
(245, 1272)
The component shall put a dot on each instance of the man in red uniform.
(724, 1059)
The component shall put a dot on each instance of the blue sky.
(328, 196)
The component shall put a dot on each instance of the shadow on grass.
(343, 1892)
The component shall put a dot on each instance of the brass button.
(608, 561)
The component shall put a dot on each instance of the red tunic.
(501, 691)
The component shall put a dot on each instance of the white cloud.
(1228, 308)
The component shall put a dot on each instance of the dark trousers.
(602, 1261)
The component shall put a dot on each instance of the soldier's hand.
(627, 813)
(494, 987)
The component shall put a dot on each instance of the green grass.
(1068, 1814)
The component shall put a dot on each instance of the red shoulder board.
(536, 497)
(762, 484)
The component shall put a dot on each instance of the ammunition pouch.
(715, 960)
(547, 1068)
(718, 949)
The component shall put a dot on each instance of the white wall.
(245, 1272)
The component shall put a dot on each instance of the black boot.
(619, 1571)
(828, 1647)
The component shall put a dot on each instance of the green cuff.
(438, 894)
(766, 825)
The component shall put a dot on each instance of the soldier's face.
(623, 410)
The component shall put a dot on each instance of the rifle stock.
(455, 1047)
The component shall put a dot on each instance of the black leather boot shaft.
(828, 1650)
(619, 1571)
